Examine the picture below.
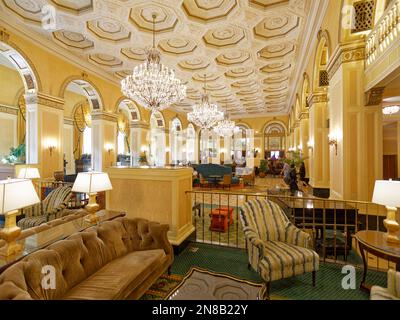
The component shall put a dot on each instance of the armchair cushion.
(392, 292)
(276, 248)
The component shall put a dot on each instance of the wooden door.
(390, 167)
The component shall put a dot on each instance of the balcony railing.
(331, 223)
(385, 33)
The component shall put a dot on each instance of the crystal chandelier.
(390, 110)
(206, 114)
(152, 84)
(226, 127)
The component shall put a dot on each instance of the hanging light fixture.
(226, 127)
(388, 111)
(206, 114)
(153, 85)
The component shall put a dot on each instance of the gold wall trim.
(45, 100)
(374, 96)
(345, 53)
(317, 98)
(104, 116)
(8, 109)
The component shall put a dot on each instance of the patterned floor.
(234, 262)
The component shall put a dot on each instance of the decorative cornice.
(104, 116)
(303, 115)
(139, 125)
(374, 96)
(344, 53)
(45, 100)
(317, 98)
(69, 121)
(8, 110)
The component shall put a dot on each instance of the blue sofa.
(207, 170)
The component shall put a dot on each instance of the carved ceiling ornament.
(244, 46)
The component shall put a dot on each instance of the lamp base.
(10, 233)
(92, 208)
(392, 226)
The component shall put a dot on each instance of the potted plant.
(143, 159)
(16, 155)
(263, 169)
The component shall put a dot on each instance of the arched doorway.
(81, 100)
(275, 140)
(191, 144)
(157, 140)
(18, 83)
(177, 142)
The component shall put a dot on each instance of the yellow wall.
(11, 86)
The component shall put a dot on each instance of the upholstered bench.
(118, 259)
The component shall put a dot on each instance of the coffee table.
(201, 284)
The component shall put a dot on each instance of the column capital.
(104, 116)
(44, 100)
(317, 97)
(344, 53)
(374, 96)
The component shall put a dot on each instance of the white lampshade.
(29, 173)
(16, 194)
(92, 182)
(387, 193)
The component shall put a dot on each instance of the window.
(121, 143)
(87, 141)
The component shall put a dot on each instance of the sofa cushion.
(119, 277)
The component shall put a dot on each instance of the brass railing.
(331, 223)
(385, 33)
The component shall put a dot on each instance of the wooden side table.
(374, 242)
(221, 219)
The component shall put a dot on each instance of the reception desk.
(155, 194)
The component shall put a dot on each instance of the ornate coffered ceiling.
(248, 50)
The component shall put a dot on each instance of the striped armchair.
(49, 209)
(276, 248)
(392, 292)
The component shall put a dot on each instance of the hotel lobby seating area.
(200, 150)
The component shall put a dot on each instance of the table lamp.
(92, 183)
(387, 193)
(29, 173)
(14, 194)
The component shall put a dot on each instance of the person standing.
(293, 180)
(286, 173)
(302, 173)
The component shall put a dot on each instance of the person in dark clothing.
(302, 173)
(293, 180)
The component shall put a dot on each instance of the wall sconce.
(110, 148)
(144, 149)
(333, 141)
(51, 146)
(300, 147)
(310, 145)
(167, 149)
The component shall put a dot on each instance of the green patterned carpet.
(234, 262)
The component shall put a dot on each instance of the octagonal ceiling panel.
(73, 39)
(225, 36)
(276, 51)
(109, 29)
(208, 10)
(28, 10)
(138, 54)
(246, 48)
(141, 17)
(277, 26)
(74, 6)
(233, 57)
(177, 45)
(105, 60)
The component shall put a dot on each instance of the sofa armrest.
(159, 234)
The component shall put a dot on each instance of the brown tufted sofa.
(118, 259)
